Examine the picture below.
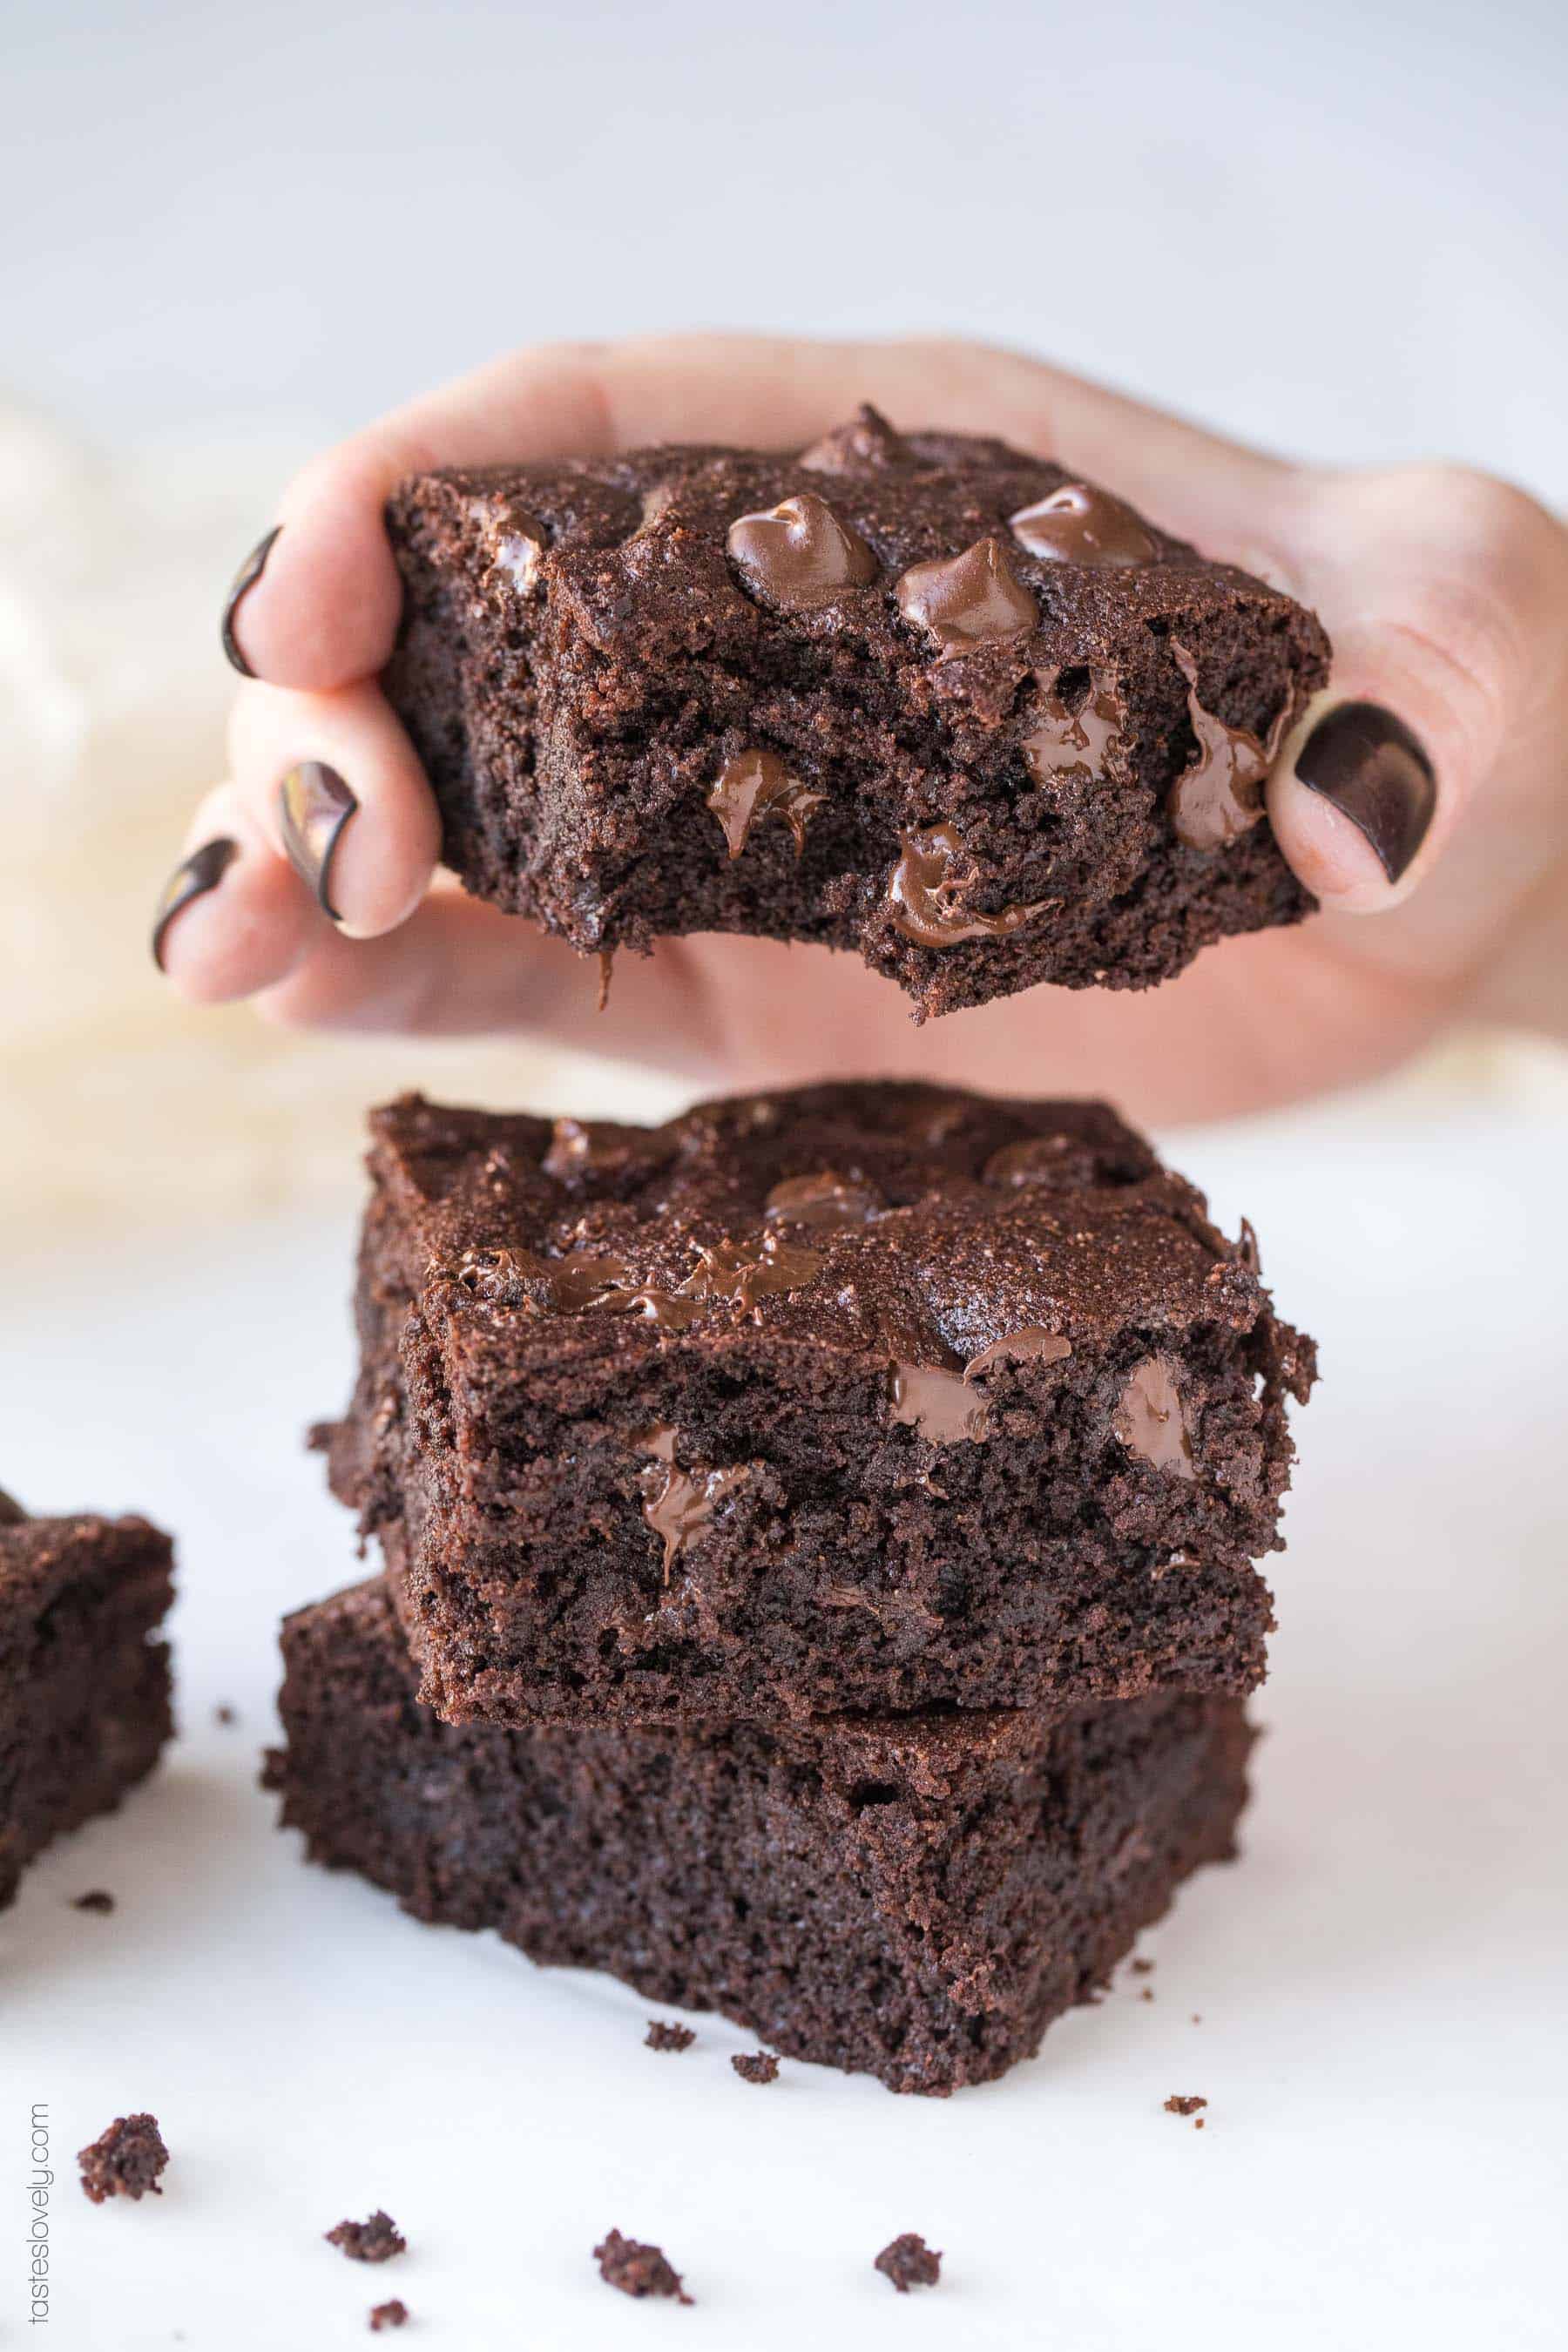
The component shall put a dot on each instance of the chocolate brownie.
(916, 1897)
(917, 695)
(663, 2033)
(863, 1396)
(755, 2065)
(124, 2161)
(84, 1687)
(389, 2314)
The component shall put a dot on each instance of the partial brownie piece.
(858, 1397)
(84, 1687)
(918, 694)
(911, 1898)
(126, 2160)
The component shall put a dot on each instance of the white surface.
(1379, 1982)
(1335, 225)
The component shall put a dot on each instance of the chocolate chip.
(798, 554)
(1079, 524)
(968, 601)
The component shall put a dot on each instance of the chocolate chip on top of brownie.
(853, 1396)
(920, 694)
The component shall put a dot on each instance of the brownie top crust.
(39, 1557)
(948, 1232)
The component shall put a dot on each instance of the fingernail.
(1369, 765)
(202, 871)
(245, 580)
(314, 804)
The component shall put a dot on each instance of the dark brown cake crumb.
(1143, 1967)
(1184, 2103)
(665, 2034)
(97, 1898)
(125, 2160)
(376, 2241)
(636, 2269)
(388, 2315)
(1147, 1993)
(756, 2066)
(909, 2262)
(225, 1715)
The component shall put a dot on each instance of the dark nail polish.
(245, 580)
(1369, 765)
(315, 805)
(200, 872)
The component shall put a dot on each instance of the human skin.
(1444, 884)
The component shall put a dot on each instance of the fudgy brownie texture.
(124, 2161)
(664, 2034)
(857, 1396)
(756, 2065)
(84, 1687)
(915, 1898)
(376, 2241)
(909, 2262)
(917, 695)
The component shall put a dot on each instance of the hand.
(1442, 863)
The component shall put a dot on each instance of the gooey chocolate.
(1079, 524)
(944, 1406)
(679, 1504)
(968, 601)
(867, 445)
(929, 885)
(1220, 796)
(798, 554)
(1075, 745)
(1151, 1419)
(757, 784)
(826, 1199)
(521, 544)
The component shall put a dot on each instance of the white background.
(1337, 229)
(1380, 1982)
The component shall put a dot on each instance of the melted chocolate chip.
(1220, 796)
(929, 886)
(679, 1504)
(747, 1270)
(572, 1285)
(822, 1200)
(1056, 1159)
(1077, 524)
(798, 554)
(866, 445)
(1151, 1419)
(937, 1404)
(1079, 744)
(571, 1151)
(968, 601)
(12, 1515)
(1033, 1344)
(1247, 1249)
(521, 544)
(755, 784)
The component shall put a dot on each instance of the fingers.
(316, 604)
(1443, 592)
(233, 916)
(332, 783)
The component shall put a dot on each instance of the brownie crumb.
(1184, 2103)
(97, 1898)
(225, 1714)
(125, 2161)
(1147, 1993)
(909, 2262)
(637, 2270)
(1143, 1967)
(756, 2066)
(665, 2034)
(388, 2315)
(376, 2241)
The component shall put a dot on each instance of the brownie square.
(916, 695)
(84, 1686)
(854, 1397)
(915, 1898)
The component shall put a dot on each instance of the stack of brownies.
(818, 1538)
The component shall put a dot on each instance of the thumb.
(1443, 592)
